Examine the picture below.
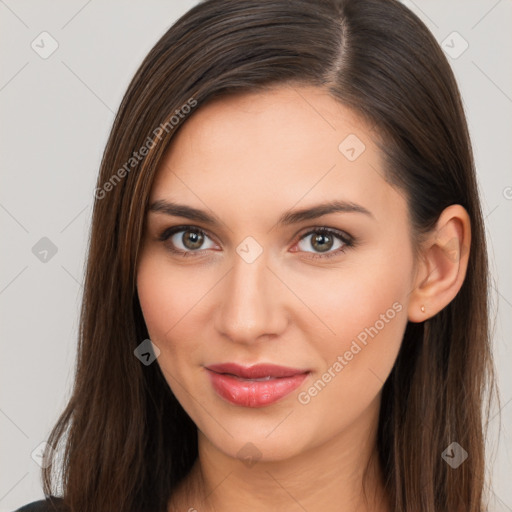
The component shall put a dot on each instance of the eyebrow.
(288, 218)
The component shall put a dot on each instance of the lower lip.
(254, 393)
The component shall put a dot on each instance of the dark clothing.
(56, 505)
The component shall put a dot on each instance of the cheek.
(371, 309)
(360, 315)
(170, 300)
(171, 303)
(369, 322)
(166, 294)
(351, 299)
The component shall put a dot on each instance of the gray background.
(56, 113)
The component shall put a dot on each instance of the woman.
(285, 303)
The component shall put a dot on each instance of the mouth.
(254, 386)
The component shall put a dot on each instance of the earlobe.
(442, 265)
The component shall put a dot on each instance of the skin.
(248, 159)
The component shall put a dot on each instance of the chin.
(267, 439)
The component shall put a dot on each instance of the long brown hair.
(125, 440)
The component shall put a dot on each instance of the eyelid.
(168, 232)
(343, 235)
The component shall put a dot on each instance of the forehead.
(281, 146)
(280, 120)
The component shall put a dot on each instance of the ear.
(442, 264)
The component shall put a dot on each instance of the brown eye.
(185, 240)
(192, 239)
(322, 240)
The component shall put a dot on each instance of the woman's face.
(261, 285)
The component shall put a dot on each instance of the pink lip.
(234, 382)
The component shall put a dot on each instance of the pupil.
(321, 238)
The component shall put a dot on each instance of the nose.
(251, 302)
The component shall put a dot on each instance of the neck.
(325, 478)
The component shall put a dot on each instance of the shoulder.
(51, 504)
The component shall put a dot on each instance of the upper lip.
(256, 371)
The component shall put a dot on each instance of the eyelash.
(347, 240)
